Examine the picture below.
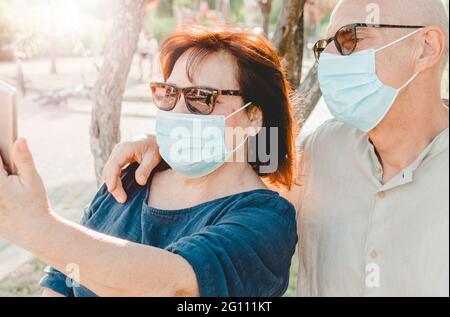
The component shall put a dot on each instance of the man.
(373, 202)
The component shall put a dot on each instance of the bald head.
(411, 12)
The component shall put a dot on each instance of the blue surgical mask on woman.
(192, 144)
(352, 89)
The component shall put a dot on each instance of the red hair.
(261, 80)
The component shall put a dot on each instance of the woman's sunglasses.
(198, 100)
(346, 38)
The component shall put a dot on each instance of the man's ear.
(433, 42)
(255, 115)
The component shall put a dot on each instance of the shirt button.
(379, 170)
(381, 195)
(374, 254)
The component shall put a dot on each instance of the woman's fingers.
(142, 150)
(120, 157)
(119, 193)
(111, 176)
(149, 162)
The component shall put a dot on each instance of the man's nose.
(331, 48)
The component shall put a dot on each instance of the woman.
(205, 224)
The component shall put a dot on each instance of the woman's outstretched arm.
(108, 266)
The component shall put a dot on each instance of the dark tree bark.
(289, 41)
(110, 86)
(310, 93)
(288, 38)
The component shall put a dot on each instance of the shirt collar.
(439, 144)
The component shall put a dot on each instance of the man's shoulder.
(332, 133)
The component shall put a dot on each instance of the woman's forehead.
(216, 69)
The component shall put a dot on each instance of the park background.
(57, 53)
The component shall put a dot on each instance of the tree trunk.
(310, 93)
(289, 41)
(266, 9)
(110, 86)
(288, 38)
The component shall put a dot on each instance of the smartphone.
(8, 124)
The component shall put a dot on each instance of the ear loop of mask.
(395, 42)
(238, 110)
(407, 82)
(232, 114)
(396, 95)
(398, 40)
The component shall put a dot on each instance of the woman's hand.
(110, 266)
(144, 151)
(23, 199)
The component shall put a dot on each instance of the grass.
(68, 200)
(291, 291)
(24, 282)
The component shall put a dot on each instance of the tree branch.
(310, 94)
(288, 39)
(110, 86)
(290, 31)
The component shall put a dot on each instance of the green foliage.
(277, 5)
(28, 27)
(6, 31)
(16, 35)
(165, 8)
(186, 3)
(160, 26)
(237, 11)
(292, 288)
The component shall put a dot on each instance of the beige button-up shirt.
(358, 237)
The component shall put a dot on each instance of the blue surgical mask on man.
(191, 144)
(352, 89)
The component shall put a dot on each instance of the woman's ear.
(255, 116)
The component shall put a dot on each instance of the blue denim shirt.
(239, 245)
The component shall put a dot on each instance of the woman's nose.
(180, 107)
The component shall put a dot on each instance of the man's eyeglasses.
(199, 100)
(346, 38)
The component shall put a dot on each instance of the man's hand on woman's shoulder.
(143, 150)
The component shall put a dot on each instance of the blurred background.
(59, 55)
